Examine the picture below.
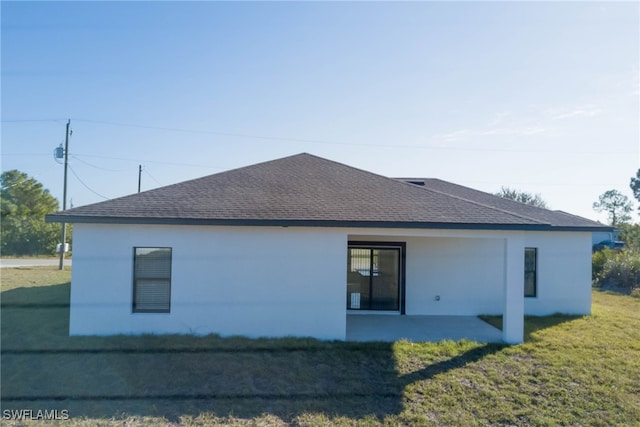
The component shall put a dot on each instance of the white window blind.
(152, 280)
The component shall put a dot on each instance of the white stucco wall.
(564, 273)
(465, 269)
(466, 274)
(231, 281)
(278, 281)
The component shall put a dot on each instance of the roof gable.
(305, 190)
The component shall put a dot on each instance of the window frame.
(134, 309)
(373, 245)
(533, 271)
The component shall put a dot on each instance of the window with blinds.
(530, 272)
(152, 280)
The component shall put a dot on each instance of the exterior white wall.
(564, 273)
(451, 274)
(513, 301)
(466, 270)
(258, 281)
(454, 276)
(225, 280)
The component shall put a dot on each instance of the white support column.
(513, 313)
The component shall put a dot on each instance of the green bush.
(598, 260)
(617, 269)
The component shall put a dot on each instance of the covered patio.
(430, 285)
(375, 327)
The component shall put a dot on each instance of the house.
(605, 238)
(292, 246)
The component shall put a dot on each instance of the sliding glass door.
(374, 276)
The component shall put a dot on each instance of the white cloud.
(635, 83)
(454, 136)
(588, 110)
(503, 123)
(515, 130)
(499, 118)
(628, 82)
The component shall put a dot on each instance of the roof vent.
(415, 181)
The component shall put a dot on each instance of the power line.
(85, 185)
(148, 161)
(30, 120)
(96, 167)
(213, 132)
(318, 141)
(305, 140)
(24, 154)
(151, 176)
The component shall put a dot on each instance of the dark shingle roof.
(312, 191)
(556, 218)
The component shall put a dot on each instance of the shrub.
(598, 260)
(618, 270)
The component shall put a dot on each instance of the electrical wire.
(85, 185)
(94, 166)
(277, 138)
(317, 141)
(150, 161)
(24, 154)
(151, 176)
(213, 132)
(313, 141)
(31, 120)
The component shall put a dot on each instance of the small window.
(152, 280)
(530, 272)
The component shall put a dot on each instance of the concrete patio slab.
(373, 327)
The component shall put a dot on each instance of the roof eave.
(314, 223)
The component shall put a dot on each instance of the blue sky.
(543, 97)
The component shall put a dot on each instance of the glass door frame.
(373, 245)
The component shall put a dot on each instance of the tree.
(23, 204)
(616, 204)
(522, 197)
(630, 235)
(635, 186)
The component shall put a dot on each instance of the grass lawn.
(570, 371)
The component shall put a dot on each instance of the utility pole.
(139, 176)
(64, 195)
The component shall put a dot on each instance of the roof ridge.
(473, 201)
(560, 211)
(525, 205)
(429, 189)
(491, 194)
